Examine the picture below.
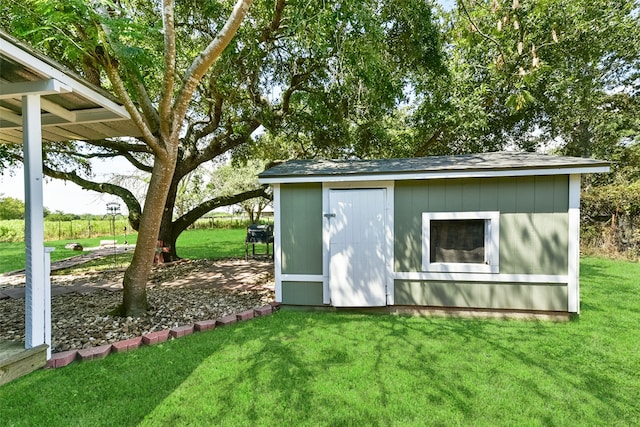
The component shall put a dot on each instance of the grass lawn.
(311, 369)
(212, 243)
(12, 255)
(196, 244)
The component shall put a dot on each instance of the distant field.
(13, 230)
(213, 243)
(195, 244)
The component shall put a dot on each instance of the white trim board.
(315, 278)
(481, 277)
(491, 242)
(574, 245)
(277, 243)
(38, 87)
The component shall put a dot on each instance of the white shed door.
(357, 264)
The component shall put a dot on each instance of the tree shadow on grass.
(331, 369)
(339, 369)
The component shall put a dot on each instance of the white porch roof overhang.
(71, 108)
(42, 101)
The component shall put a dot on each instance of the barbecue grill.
(257, 234)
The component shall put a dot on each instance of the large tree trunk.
(169, 236)
(250, 214)
(167, 233)
(164, 143)
(134, 302)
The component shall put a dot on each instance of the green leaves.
(11, 208)
(561, 71)
(519, 100)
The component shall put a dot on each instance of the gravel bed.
(82, 320)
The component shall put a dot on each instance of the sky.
(68, 197)
(447, 4)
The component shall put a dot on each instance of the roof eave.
(21, 54)
(439, 174)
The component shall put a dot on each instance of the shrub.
(611, 219)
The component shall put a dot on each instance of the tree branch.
(127, 197)
(423, 150)
(190, 217)
(274, 25)
(296, 82)
(149, 111)
(486, 36)
(122, 93)
(202, 63)
(214, 121)
(169, 65)
(110, 66)
(137, 163)
(120, 146)
(222, 145)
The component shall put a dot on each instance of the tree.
(5, 158)
(102, 43)
(11, 208)
(325, 70)
(235, 178)
(534, 75)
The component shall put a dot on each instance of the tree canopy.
(133, 48)
(325, 74)
(11, 208)
(328, 71)
(234, 178)
(536, 75)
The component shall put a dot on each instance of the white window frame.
(491, 243)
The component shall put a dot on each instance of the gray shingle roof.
(496, 161)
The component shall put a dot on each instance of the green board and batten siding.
(533, 239)
(302, 293)
(301, 241)
(513, 296)
(534, 243)
(527, 206)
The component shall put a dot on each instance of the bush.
(610, 220)
(11, 208)
(12, 231)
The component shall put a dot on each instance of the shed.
(489, 232)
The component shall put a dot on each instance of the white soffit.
(71, 107)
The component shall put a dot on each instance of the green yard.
(205, 243)
(295, 368)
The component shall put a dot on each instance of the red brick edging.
(64, 358)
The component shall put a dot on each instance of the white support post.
(47, 299)
(35, 293)
(573, 284)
